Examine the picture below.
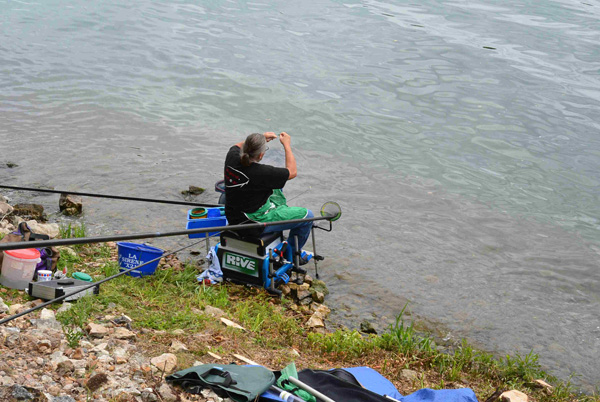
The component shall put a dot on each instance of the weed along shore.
(120, 344)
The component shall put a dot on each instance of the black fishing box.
(246, 259)
(49, 290)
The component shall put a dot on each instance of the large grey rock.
(50, 229)
(165, 362)
(18, 393)
(5, 208)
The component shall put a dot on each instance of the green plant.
(403, 338)
(75, 319)
(72, 231)
(215, 296)
(525, 368)
(73, 335)
(343, 342)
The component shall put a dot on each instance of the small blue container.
(215, 217)
(132, 255)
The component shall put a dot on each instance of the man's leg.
(301, 229)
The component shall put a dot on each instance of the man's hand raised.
(285, 139)
(269, 136)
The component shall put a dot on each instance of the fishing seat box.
(49, 290)
(245, 259)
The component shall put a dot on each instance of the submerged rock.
(367, 327)
(30, 211)
(193, 190)
(70, 204)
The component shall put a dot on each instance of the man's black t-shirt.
(247, 188)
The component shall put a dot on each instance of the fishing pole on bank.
(114, 197)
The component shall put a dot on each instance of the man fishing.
(253, 191)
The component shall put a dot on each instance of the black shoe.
(303, 261)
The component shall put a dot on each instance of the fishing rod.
(325, 215)
(114, 197)
(91, 285)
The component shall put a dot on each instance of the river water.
(461, 139)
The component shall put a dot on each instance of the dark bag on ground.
(240, 383)
(339, 385)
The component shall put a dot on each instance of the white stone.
(165, 362)
(124, 333)
(513, 396)
(105, 359)
(177, 346)
(214, 311)
(7, 381)
(64, 307)
(13, 309)
(3, 307)
(46, 379)
(543, 384)
(97, 330)
(5, 208)
(315, 322)
(47, 314)
(50, 229)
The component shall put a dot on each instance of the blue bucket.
(132, 255)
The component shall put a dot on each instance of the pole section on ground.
(310, 390)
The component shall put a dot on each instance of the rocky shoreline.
(113, 358)
(39, 365)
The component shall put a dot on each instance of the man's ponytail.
(254, 145)
(245, 159)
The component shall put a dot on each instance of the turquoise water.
(461, 139)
